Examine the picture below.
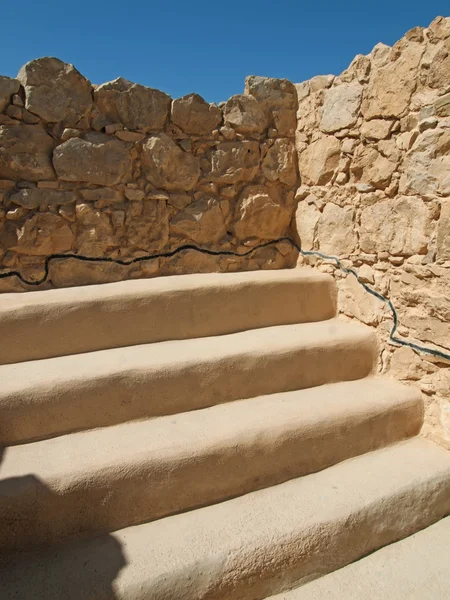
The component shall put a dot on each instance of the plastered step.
(82, 319)
(416, 568)
(253, 546)
(57, 395)
(105, 479)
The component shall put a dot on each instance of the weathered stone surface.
(279, 164)
(318, 162)
(377, 129)
(370, 166)
(234, 161)
(25, 153)
(55, 91)
(96, 158)
(147, 225)
(245, 114)
(336, 230)
(35, 198)
(8, 87)
(167, 166)
(320, 82)
(260, 214)
(355, 302)
(398, 226)
(201, 221)
(278, 96)
(443, 233)
(426, 167)
(133, 105)
(442, 106)
(440, 68)
(44, 234)
(194, 115)
(306, 219)
(95, 234)
(341, 107)
(391, 86)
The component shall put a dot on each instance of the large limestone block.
(55, 91)
(25, 153)
(443, 233)
(426, 167)
(94, 233)
(167, 166)
(279, 164)
(133, 105)
(306, 219)
(234, 161)
(97, 158)
(438, 74)
(147, 225)
(260, 214)
(279, 97)
(341, 107)
(8, 87)
(391, 86)
(43, 234)
(354, 301)
(194, 115)
(399, 226)
(370, 166)
(336, 230)
(245, 114)
(35, 198)
(201, 221)
(318, 162)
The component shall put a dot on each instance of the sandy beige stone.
(245, 114)
(167, 166)
(25, 153)
(341, 107)
(96, 158)
(259, 213)
(55, 91)
(194, 115)
(232, 162)
(318, 162)
(133, 105)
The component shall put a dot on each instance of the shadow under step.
(106, 479)
(253, 546)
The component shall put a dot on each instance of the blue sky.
(204, 46)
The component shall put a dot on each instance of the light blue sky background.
(204, 46)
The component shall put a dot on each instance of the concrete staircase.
(200, 437)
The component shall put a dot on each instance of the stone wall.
(123, 171)
(374, 157)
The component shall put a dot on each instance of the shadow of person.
(69, 570)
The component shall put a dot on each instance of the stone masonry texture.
(374, 157)
(355, 166)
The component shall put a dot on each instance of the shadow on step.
(86, 570)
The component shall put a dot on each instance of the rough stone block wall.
(374, 158)
(123, 171)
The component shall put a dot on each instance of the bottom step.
(417, 568)
(253, 546)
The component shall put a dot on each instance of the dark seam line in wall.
(387, 301)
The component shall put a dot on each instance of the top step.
(83, 319)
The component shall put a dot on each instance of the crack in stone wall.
(121, 171)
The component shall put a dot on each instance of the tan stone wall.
(374, 156)
(122, 171)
